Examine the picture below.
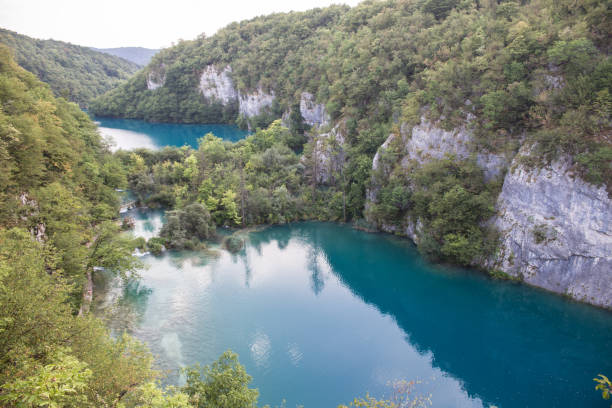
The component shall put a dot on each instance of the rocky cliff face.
(218, 85)
(314, 114)
(426, 142)
(556, 229)
(253, 104)
(329, 154)
(556, 232)
(156, 78)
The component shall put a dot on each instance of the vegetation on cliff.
(78, 74)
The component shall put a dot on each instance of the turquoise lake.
(320, 313)
(130, 134)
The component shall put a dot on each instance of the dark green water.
(321, 313)
(131, 134)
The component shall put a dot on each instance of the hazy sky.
(152, 24)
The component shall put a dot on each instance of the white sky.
(122, 23)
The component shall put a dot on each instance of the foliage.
(183, 226)
(156, 245)
(403, 395)
(604, 385)
(151, 395)
(41, 337)
(450, 201)
(76, 73)
(56, 385)
(57, 222)
(224, 384)
(234, 243)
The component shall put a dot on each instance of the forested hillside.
(58, 212)
(380, 63)
(75, 73)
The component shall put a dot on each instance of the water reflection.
(321, 306)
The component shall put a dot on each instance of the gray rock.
(156, 78)
(218, 86)
(314, 114)
(556, 232)
(330, 154)
(426, 142)
(254, 103)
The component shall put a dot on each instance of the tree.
(224, 384)
(61, 383)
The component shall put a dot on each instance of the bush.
(155, 245)
(234, 243)
(184, 228)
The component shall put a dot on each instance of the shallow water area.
(321, 313)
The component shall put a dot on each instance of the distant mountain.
(138, 55)
(76, 73)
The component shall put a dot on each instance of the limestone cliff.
(218, 85)
(556, 231)
(156, 77)
(421, 144)
(253, 104)
(314, 114)
(330, 154)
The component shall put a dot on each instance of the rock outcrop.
(215, 85)
(330, 154)
(218, 86)
(253, 104)
(556, 232)
(314, 114)
(426, 142)
(156, 78)
(556, 229)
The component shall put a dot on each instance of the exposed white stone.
(381, 150)
(330, 154)
(314, 114)
(219, 86)
(254, 103)
(156, 78)
(556, 232)
(427, 142)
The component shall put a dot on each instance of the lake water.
(128, 134)
(320, 313)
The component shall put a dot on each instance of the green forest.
(78, 74)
